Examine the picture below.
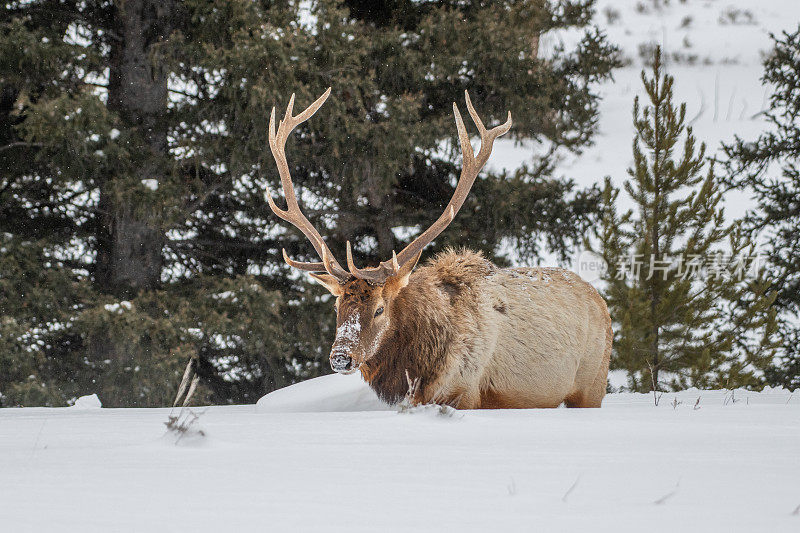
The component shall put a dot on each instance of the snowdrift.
(339, 393)
(324, 394)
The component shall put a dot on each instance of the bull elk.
(470, 334)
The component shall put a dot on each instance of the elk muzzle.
(342, 364)
(345, 350)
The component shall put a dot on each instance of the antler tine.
(378, 274)
(471, 167)
(475, 118)
(310, 266)
(299, 265)
(487, 137)
(350, 265)
(293, 214)
(467, 153)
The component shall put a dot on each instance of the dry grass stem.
(185, 422)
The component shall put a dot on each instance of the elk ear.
(329, 282)
(400, 280)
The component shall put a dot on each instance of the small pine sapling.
(679, 283)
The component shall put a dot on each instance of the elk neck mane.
(426, 316)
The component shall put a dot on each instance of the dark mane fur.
(423, 315)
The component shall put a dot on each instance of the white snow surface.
(150, 183)
(731, 464)
(335, 392)
(90, 401)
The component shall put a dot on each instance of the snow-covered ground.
(713, 462)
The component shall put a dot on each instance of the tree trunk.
(130, 237)
(655, 290)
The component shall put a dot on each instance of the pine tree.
(768, 166)
(133, 149)
(684, 316)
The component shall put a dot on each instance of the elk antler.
(292, 214)
(471, 166)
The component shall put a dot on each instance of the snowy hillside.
(713, 461)
(714, 49)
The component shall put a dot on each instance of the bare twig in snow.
(512, 488)
(410, 404)
(675, 403)
(730, 399)
(669, 495)
(187, 376)
(409, 401)
(192, 387)
(796, 511)
(185, 422)
(656, 395)
(569, 490)
(696, 404)
(730, 104)
(702, 109)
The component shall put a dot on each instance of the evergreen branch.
(19, 144)
(201, 199)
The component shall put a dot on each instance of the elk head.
(365, 297)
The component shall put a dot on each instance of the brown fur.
(478, 336)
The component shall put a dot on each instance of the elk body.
(462, 330)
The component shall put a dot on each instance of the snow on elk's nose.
(341, 363)
(342, 352)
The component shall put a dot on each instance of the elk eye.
(379, 311)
